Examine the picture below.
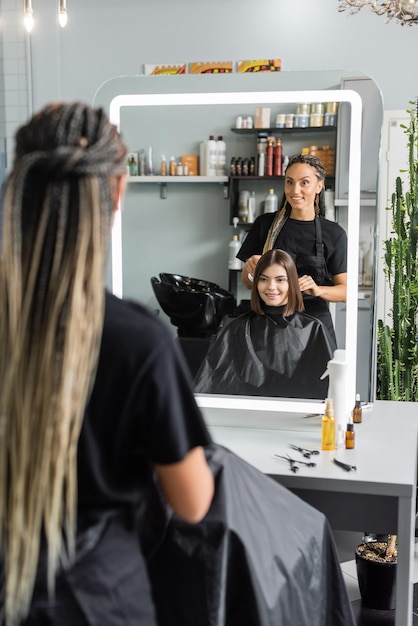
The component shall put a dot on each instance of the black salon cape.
(260, 557)
(267, 356)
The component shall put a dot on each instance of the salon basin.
(196, 307)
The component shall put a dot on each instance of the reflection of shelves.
(177, 179)
(164, 180)
(313, 130)
(363, 202)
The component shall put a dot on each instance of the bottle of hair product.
(234, 246)
(328, 426)
(252, 208)
(173, 166)
(271, 202)
(357, 411)
(269, 157)
(278, 156)
(349, 437)
(211, 156)
(220, 157)
(150, 171)
(163, 166)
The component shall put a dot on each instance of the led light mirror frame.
(246, 403)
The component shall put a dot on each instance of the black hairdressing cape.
(268, 355)
(260, 557)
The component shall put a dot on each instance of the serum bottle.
(328, 426)
(349, 437)
(357, 411)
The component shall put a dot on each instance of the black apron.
(316, 266)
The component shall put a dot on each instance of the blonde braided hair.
(58, 208)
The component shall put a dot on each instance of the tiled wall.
(15, 95)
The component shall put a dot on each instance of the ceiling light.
(28, 15)
(62, 13)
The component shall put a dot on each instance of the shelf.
(286, 131)
(329, 177)
(363, 202)
(176, 179)
(163, 181)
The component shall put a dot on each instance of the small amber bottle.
(357, 411)
(328, 426)
(349, 437)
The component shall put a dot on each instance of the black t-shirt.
(298, 238)
(141, 410)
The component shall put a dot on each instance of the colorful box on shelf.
(259, 65)
(213, 67)
(192, 163)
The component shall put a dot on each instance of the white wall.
(106, 38)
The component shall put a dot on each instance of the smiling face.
(301, 187)
(272, 286)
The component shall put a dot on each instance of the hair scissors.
(294, 463)
(306, 453)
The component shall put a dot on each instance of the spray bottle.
(233, 248)
(336, 370)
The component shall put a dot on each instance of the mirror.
(167, 100)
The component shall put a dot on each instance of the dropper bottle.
(357, 411)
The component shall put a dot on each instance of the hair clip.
(345, 466)
(306, 453)
(294, 463)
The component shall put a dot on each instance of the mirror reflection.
(187, 237)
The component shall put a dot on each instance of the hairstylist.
(317, 245)
(95, 401)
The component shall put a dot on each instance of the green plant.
(397, 345)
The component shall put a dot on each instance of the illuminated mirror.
(122, 103)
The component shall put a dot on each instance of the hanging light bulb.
(62, 13)
(28, 15)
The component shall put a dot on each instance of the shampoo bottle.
(211, 156)
(271, 202)
(220, 157)
(233, 248)
(252, 208)
(328, 426)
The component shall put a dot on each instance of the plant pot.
(376, 579)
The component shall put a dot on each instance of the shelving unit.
(291, 137)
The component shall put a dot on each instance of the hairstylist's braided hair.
(285, 208)
(58, 206)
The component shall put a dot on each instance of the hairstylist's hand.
(308, 285)
(249, 269)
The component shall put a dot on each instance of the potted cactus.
(397, 345)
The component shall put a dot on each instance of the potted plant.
(397, 344)
(376, 573)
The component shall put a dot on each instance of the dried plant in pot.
(376, 563)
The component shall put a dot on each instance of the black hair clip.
(306, 453)
(345, 466)
(294, 463)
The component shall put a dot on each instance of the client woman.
(275, 349)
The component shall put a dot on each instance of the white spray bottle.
(336, 370)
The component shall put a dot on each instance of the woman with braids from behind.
(94, 400)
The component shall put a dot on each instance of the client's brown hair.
(294, 300)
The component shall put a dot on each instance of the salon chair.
(197, 308)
